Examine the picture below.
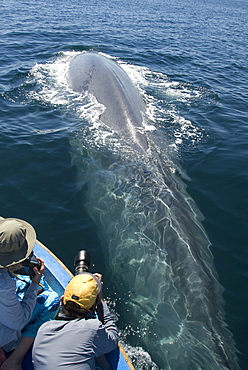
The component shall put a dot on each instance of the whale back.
(111, 86)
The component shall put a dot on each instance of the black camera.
(82, 262)
(28, 265)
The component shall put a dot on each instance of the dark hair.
(74, 311)
(14, 267)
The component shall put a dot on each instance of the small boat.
(58, 276)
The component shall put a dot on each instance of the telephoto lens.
(82, 262)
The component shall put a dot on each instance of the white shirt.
(14, 314)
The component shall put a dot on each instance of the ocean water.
(189, 61)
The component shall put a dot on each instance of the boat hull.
(58, 276)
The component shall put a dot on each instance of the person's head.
(80, 296)
(17, 240)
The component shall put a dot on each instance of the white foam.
(159, 93)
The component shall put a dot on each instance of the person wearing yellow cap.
(17, 240)
(77, 336)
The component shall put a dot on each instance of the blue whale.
(150, 230)
(111, 86)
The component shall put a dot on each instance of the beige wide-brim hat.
(17, 240)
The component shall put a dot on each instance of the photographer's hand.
(38, 273)
(2, 356)
(99, 277)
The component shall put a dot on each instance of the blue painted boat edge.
(58, 270)
(119, 355)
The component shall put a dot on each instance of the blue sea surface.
(189, 60)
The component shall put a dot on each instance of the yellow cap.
(83, 289)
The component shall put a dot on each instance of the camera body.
(82, 262)
(28, 265)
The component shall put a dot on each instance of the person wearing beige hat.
(77, 336)
(17, 240)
